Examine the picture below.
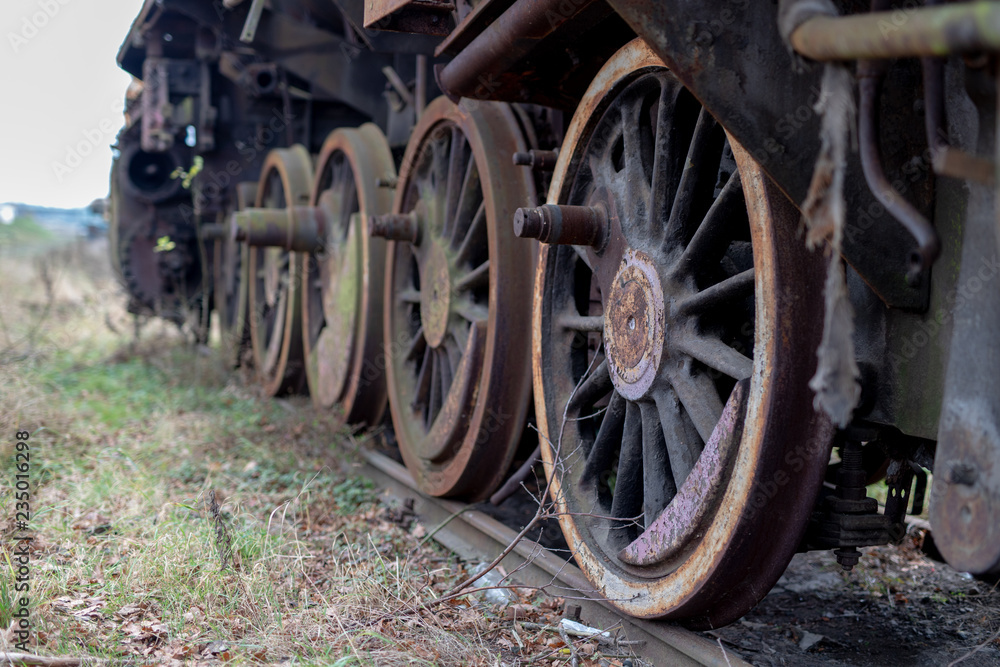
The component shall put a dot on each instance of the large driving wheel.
(343, 284)
(673, 345)
(230, 284)
(458, 295)
(274, 285)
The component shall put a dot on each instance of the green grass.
(130, 438)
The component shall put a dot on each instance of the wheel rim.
(672, 420)
(458, 372)
(343, 285)
(274, 285)
(230, 275)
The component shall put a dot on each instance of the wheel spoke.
(434, 405)
(472, 235)
(733, 288)
(626, 501)
(459, 332)
(470, 193)
(712, 237)
(637, 183)
(683, 446)
(601, 454)
(423, 385)
(454, 352)
(447, 373)
(478, 277)
(697, 180)
(416, 345)
(700, 400)
(594, 387)
(657, 479)
(473, 312)
(454, 176)
(715, 354)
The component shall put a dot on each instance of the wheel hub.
(634, 326)
(435, 298)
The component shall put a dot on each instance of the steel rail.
(475, 536)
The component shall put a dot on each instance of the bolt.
(537, 160)
(389, 182)
(396, 227)
(848, 557)
(963, 473)
(563, 225)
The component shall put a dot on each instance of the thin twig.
(572, 649)
(975, 650)
(538, 515)
(32, 659)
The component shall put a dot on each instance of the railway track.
(475, 536)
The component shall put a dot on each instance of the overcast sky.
(59, 84)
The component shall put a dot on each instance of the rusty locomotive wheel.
(274, 278)
(458, 295)
(343, 284)
(673, 344)
(229, 267)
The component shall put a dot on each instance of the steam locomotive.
(735, 261)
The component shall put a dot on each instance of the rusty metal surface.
(424, 17)
(395, 227)
(302, 231)
(734, 61)
(687, 511)
(965, 495)
(653, 428)
(343, 284)
(564, 225)
(477, 537)
(483, 14)
(920, 31)
(274, 277)
(456, 301)
(545, 51)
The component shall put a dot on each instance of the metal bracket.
(253, 20)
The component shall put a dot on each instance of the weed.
(176, 515)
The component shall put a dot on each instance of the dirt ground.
(898, 607)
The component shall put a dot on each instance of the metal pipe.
(933, 73)
(420, 93)
(512, 36)
(928, 245)
(902, 33)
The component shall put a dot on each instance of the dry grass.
(179, 517)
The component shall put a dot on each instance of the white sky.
(57, 87)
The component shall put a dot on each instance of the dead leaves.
(80, 608)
